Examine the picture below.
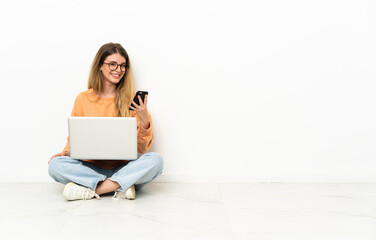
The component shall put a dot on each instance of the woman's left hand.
(142, 111)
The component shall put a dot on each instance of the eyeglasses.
(113, 66)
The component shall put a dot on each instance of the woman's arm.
(144, 136)
(77, 111)
(144, 125)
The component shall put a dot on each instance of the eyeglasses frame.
(117, 65)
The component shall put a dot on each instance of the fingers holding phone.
(143, 102)
(138, 99)
(139, 105)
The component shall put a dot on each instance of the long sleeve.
(76, 112)
(144, 136)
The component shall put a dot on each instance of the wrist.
(145, 125)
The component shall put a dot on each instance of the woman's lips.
(115, 75)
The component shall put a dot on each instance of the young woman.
(110, 94)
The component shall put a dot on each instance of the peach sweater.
(86, 106)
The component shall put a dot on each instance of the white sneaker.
(73, 191)
(129, 194)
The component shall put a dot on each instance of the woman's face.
(113, 76)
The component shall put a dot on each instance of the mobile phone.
(135, 99)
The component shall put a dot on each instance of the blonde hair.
(124, 88)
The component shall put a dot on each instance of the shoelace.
(115, 195)
(89, 194)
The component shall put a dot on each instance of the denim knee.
(155, 160)
(57, 164)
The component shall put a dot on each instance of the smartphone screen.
(135, 99)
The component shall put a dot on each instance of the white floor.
(176, 211)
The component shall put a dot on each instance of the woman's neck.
(108, 90)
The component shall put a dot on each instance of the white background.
(239, 90)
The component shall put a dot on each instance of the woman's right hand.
(59, 154)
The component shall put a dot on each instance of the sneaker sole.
(66, 189)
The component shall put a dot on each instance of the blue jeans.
(137, 172)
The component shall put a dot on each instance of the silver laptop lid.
(103, 138)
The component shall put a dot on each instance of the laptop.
(103, 138)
